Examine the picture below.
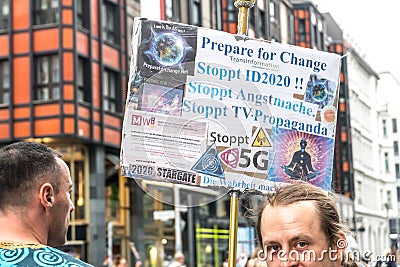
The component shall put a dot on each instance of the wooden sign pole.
(233, 228)
(243, 14)
(243, 18)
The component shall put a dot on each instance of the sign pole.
(243, 18)
(243, 15)
(233, 227)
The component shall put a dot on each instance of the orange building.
(64, 74)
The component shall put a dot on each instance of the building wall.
(389, 92)
(67, 81)
(371, 177)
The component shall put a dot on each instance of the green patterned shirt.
(36, 255)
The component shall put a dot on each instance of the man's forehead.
(299, 213)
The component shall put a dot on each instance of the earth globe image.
(168, 49)
(319, 92)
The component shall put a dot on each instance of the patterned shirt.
(36, 255)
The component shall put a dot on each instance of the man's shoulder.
(70, 259)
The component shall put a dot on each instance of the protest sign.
(211, 109)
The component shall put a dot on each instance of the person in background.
(179, 260)
(391, 256)
(138, 261)
(35, 206)
(300, 218)
(119, 261)
(242, 261)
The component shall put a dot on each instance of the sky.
(373, 26)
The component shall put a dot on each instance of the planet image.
(319, 92)
(168, 49)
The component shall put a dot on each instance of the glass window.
(168, 9)
(272, 12)
(389, 199)
(112, 202)
(110, 87)
(195, 7)
(302, 30)
(4, 82)
(396, 148)
(232, 12)
(79, 190)
(386, 162)
(394, 125)
(398, 194)
(111, 25)
(82, 7)
(262, 29)
(397, 167)
(4, 13)
(83, 74)
(384, 128)
(47, 78)
(173, 10)
(45, 12)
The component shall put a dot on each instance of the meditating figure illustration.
(300, 167)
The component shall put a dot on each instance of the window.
(397, 167)
(45, 12)
(386, 162)
(384, 128)
(110, 87)
(393, 226)
(232, 13)
(173, 10)
(195, 11)
(396, 148)
(4, 82)
(261, 27)
(359, 192)
(4, 13)
(394, 125)
(389, 199)
(302, 30)
(216, 15)
(47, 77)
(83, 75)
(398, 194)
(82, 7)
(272, 12)
(110, 26)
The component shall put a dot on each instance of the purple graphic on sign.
(302, 157)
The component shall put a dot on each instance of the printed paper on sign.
(211, 109)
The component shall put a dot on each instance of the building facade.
(372, 157)
(389, 112)
(63, 74)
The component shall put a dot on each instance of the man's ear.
(340, 246)
(46, 195)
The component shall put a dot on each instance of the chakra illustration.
(168, 49)
(288, 166)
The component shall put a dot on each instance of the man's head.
(34, 179)
(179, 257)
(297, 221)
